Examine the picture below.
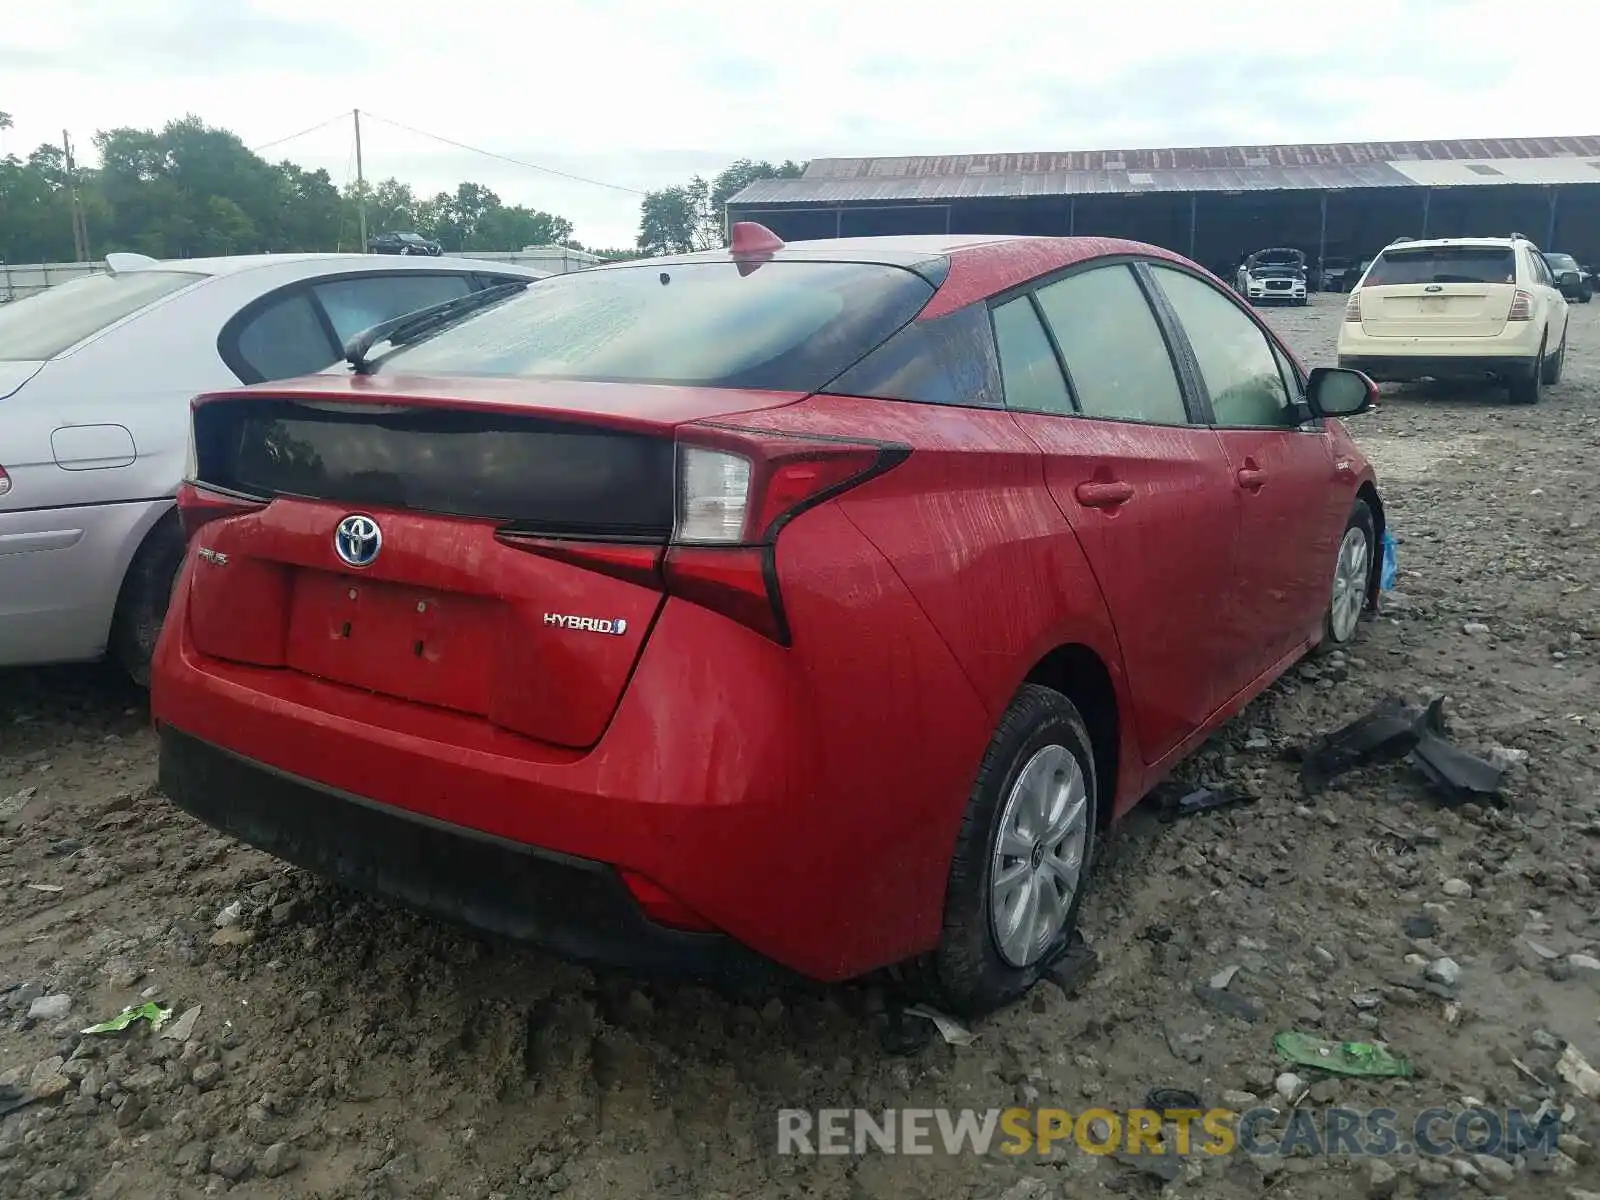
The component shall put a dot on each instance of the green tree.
(688, 217)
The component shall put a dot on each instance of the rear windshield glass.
(1562, 262)
(43, 325)
(1444, 264)
(781, 326)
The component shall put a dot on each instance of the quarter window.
(285, 339)
(1028, 366)
(1116, 357)
(356, 304)
(1241, 372)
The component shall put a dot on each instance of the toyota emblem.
(357, 540)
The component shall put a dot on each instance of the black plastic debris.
(1177, 801)
(1395, 730)
(13, 1097)
(902, 1034)
(1074, 967)
(1170, 1099)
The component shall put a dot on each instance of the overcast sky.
(643, 93)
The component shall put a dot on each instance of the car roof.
(234, 263)
(980, 265)
(1499, 243)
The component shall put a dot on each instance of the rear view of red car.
(813, 604)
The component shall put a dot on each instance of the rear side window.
(1116, 356)
(356, 304)
(779, 326)
(945, 360)
(43, 325)
(1443, 264)
(285, 339)
(1033, 378)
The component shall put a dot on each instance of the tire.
(1551, 368)
(1529, 386)
(1341, 619)
(142, 602)
(970, 973)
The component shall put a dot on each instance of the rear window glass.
(43, 325)
(781, 326)
(1561, 262)
(1444, 264)
(946, 360)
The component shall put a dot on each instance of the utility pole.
(361, 185)
(80, 231)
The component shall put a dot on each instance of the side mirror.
(1568, 279)
(1337, 392)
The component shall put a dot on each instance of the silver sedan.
(95, 382)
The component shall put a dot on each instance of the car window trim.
(1202, 392)
(1031, 287)
(228, 336)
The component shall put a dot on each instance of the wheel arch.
(1368, 493)
(1079, 674)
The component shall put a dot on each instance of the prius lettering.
(587, 624)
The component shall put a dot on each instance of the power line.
(302, 133)
(616, 187)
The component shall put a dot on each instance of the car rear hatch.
(431, 594)
(1439, 291)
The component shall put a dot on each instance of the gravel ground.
(341, 1049)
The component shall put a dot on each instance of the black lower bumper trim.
(1404, 368)
(577, 908)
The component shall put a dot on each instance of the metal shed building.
(1215, 204)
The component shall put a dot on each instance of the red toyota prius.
(809, 604)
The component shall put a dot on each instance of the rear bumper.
(60, 572)
(762, 787)
(576, 907)
(1403, 368)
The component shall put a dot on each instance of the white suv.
(1458, 308)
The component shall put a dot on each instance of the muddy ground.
(343, 1050)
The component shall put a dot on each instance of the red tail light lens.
(737, 489)
(198, 506)
(1521, 307)
(5, 482)
(1352, 306)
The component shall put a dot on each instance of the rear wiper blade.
(411, 325)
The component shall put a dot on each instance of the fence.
(24, 279)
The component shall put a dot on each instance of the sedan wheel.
(1352, 578)
(1022, 859)
(1039, 855)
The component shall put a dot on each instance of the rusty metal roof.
(1328, 166)
(1204, 158)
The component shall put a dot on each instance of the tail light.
(737, 489)
(5, 482)
(198, 506)
(1521, 307)
(1352, 306)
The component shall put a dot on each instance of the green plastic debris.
(148, 1011)
(1341, 1058)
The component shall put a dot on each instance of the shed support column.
(1550, 235)
(1194, 220)
(838, 222)
(947, 210)
(1072, 216)
(1427, 199)
(1322, 241)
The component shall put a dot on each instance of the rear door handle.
(1251, 478)
(1104, 495)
